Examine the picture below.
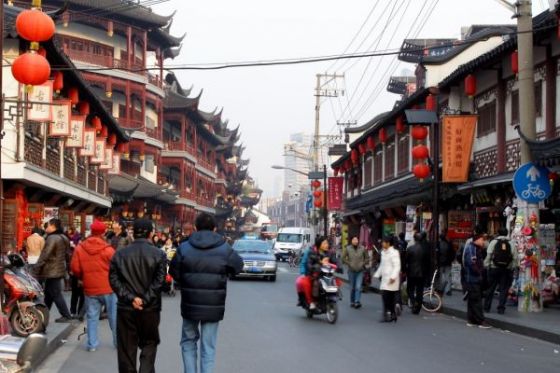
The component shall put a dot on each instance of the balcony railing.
(130, 168)
(206, 164)
(204, 201)
(153, 133)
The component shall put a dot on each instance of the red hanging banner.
(335, 189)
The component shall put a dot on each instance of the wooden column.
(550, 99)
(129, 51)
(501, 122)
(182, 181)
(183, 133)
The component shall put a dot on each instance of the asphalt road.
(264, 332)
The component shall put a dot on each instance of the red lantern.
(104, 131)
(383, 135)
(515, 62)
(421, 171)
(73, 95)
(83, 107)
(371, 143)
(362, 148)
(96, 123)
(316, 184)
(355, 156)
(58, 83)
(399, 125)
(431, 102)
(31, 68)
(419, 132)
(34, 25)
(420, 152)
(342, 169)
(318, 203)
(348, 165)
(470, 85)
(121, 147)
(317, 194)
(112, 139)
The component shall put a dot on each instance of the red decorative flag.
(335, 189)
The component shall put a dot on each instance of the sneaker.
(485, 325)
(358, 305)
(312, 306)
(63, 319)
(471, 325)
(353, 305)
(91, 349)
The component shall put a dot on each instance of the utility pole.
(322, 89)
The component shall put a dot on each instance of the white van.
(291, 239)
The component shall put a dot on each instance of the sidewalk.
(544, 325)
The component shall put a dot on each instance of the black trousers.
(78, 298)
(137, 330)
(474, 304)
(53, 294)
(389, 299)
(415, 289)
(500, 278)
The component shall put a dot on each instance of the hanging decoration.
(399, 125)
(61, 113)
(419, 133)
(362, 148)
(371, 143)
(383, 135)
(77, 126)
(515, 62)
(96, 123)
(421, 171)
(31, 69)
(354, 155)
(431, 102)
(420, 152)
(112, 139)
(58, 82)
(73, 95)
(83, 108)
(470, 85)
(34, 25)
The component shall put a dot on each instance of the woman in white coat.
(389, 271)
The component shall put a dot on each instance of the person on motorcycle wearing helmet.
(318, 256)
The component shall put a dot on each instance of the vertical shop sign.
(61, 112)
(40, 102)
(458, 137)
(76, 138)
(335, 187)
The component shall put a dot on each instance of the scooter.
(326, 302)
(23, 302)
(27, 355)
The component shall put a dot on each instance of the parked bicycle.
(432, 300)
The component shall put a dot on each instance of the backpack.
(502, 256)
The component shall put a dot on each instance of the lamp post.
(314, 175)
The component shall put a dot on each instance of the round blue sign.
(531, 183)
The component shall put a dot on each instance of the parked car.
(258, 258)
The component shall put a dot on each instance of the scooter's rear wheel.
(332, 312)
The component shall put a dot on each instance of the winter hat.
(98, 228)
(142, 227)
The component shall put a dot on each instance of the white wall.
(10, 88)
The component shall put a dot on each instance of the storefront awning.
(497, 179)
(140, 187)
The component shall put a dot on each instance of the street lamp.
(313, 175)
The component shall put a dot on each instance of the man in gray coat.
(356, 258)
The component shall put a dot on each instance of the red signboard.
(335, 188)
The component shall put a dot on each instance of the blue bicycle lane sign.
(531, 183)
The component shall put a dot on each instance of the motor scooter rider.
(318, 256)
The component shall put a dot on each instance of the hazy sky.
(272, 102)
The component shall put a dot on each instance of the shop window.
(378, 165)
(515, 107)
(368, 172)
(403, 153)
(538, 98)
(486, 119)
(390, 159)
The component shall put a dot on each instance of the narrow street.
(265, 332)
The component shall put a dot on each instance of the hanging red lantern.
(58, 82)
(420, 152)
(354, 156)
(317, 194)
(362, 148)
(112, 139)
(34, 25)
(419, 132)
(104, 131)
(121, 147)
(399, 125)
(470, 85)
(371, 143)
(316, 184)
(83, 107)
(318, 203)
(73, 95)
(348, 165)
(515, 62)
(31, 68)
(421, 171)
(431, 102)
(382, 135)
(96, 123)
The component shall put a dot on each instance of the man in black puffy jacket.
(136, 274)
(201, 267)
(417, 269)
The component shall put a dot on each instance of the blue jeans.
(208, 333)
(355, 279)
(93, 311)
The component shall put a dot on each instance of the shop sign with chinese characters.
(61, 112)
(458, 137)
(335, 188)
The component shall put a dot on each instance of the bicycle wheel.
(432, 301)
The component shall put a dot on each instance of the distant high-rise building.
(297, 156)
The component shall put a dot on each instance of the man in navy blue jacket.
(201, 267)
(473, 263)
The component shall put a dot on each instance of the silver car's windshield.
(251, 246)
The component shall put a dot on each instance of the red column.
(127, 100)
(501, 122)
(183, 133)
(182, 183)
(129, 46)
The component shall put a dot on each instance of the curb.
(500, 324)
(55, 343)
